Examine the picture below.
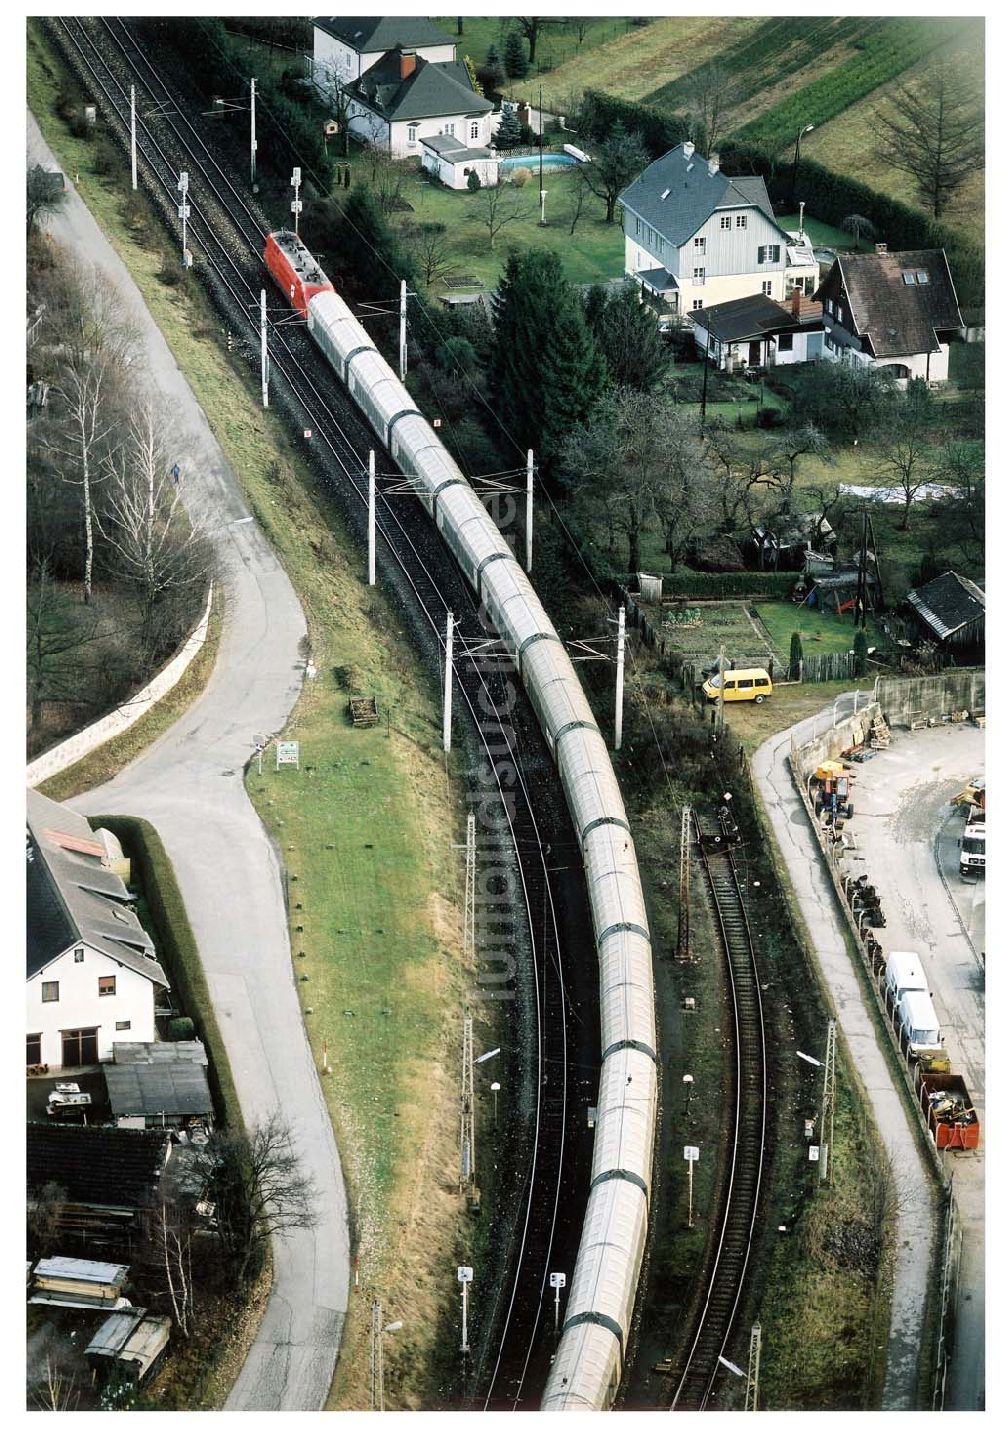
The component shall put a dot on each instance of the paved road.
(913, 1187)
(909, 832)
(189, 785)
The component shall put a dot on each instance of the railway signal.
(296, 202)
(449, 661)
(529, 511)
(135, 174)
(691, 1156)
(558, 1281)
(184, 213)
(253, 133)
(402, 330)
(464, 1278)
(263, 346)
(371, 516)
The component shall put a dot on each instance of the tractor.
(831, 790)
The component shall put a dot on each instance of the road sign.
(287, 753)
(691, 1154)
(465, 1274)
(814, 1152)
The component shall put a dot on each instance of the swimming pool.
(530, 161)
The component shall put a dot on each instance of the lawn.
(561, 40)
(821, 631)
(825, 235)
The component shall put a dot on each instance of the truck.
(948, 1108)
(904, 974)
(918, 1022)
(972, 845)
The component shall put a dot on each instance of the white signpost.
(691, 1156)
(464, 1278)
(286, 752)
(558, 1281)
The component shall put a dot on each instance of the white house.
(452, 162)
(399, 82)
(92, 972)
(344, 47)
(757, 332)
(895, 310)
(695, 237)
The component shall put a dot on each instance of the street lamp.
(541, 195)
(688, 1081)
(494, 1089)
(798, 140)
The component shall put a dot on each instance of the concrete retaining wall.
(68, 752)
(931, 697)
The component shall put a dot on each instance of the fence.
(828, 666)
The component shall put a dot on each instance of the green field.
(825, 235)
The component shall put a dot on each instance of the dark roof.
(452, 149)
(694, 195)
(748, 317)
(72, 897)
(430, 91)
(898, 318)
(105, 1167)
(658, 279)
(368, 34)
(948, 603)
(149, 1089)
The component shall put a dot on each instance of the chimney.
(713, 163)
(688, 147)
(796, 302)
(407, 63)
(880, 250)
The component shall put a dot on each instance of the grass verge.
(394, 902)
(105, 763)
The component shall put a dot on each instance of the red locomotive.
(294, 269)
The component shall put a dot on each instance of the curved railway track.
(736, 1223)
(227, 231)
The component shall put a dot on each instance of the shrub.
(860, 652)
(475, 183)
(180, 1028)
(520, 177)
(795, 657)
(171, 273)
(769, 585)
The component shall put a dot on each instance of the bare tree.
(172, 1236)
(614, 163)
(580, 191)
(934, 131)
(386, 177)
(498, 206)
(785, 450)
(45, 194)
(45, 1218)
(56, 634)
(259, 1189)
(429, 247)
(531, 27)
(58, 1392)
(859, 226)
(714, 93)
(89, 422)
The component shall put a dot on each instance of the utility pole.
(402, 330)
(469, 920)
(683, 950)
(861, 594)
(826, 1111)
(620, 679)
(529, 516)
(135, 171)
(449, 656)
(184, 213)
(263, 346)
(464, 1278)
(541, 127)
(720, 714)
(375, 1359)
(704, 374)
(371, 516)
(753, 1369)
(253, 133)
(296, 202)
(468, 1129)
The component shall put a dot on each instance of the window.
(746, 685)
(474, 129)
(786, 342)
(79, 1046)
(909, 279)
(50, 992)
(699, 245)
(449, 129)
(122, 1025)
(741, 221)
(411, 134)
(768, 253)
(726, 222)
(34, 1046)
(839, 313)
(699, 275)
(765, 287)
(106, 985)
(77, 956)
(922, 277)
(697, 303)
(761, 681)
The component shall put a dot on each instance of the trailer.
(948, 1108)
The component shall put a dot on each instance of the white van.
(919, 1024)
(904, 974)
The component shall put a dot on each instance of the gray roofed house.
(897, 310)
(376, 34)
(158, 1094)
(452, 162)
(758, 332)
(91, 968)
(402, 86)
(953, 609)
(695, 236)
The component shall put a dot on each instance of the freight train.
(589, 1359)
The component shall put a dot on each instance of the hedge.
(772, 585)
(177, 951)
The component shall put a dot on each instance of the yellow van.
(750, 685)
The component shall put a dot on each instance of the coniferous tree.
(627, 335)
(509, 131)
(547, 372)
(515, 61)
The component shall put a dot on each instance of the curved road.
(912, 1184)
(189, 785)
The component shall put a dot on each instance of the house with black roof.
(950, 610)
(92, 971)
(757, 332)
(400, 82)
(694, 237)
(895, 310)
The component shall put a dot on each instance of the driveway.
(913, 1187)
(189, 785)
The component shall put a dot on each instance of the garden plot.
(695, 631)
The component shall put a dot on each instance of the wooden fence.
(828, 666)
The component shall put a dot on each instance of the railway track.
(226, 231)
(737, 1221)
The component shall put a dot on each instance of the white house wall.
(80, 1006)
(364, 124)
(331, 57)
(401, 146)
(455, 175)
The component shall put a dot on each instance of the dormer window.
(909, 279)
(665, 194)
(922, 277)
